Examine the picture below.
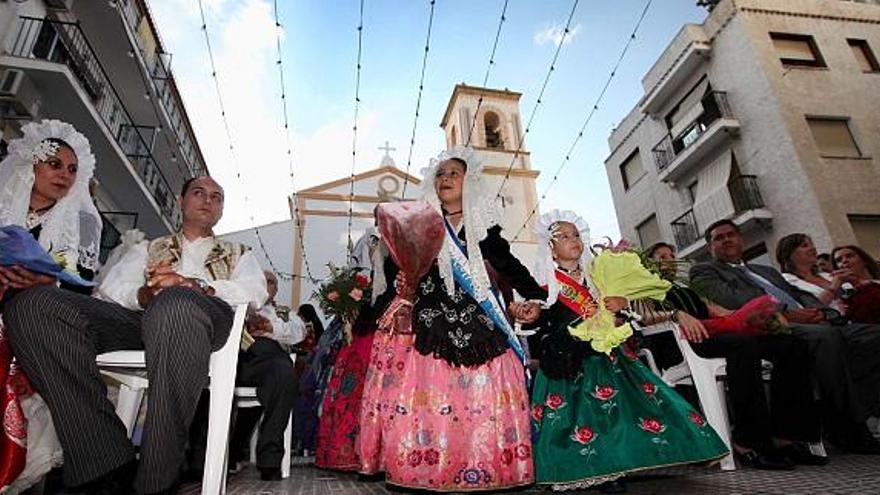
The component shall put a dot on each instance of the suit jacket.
(731, 288)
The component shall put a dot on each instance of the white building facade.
(766, 114)
(101, 66)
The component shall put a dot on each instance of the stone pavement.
(844, 475)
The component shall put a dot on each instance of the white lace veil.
(480, 211)
(545, 271)
(72, 228)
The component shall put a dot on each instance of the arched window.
(493, 130)
(454, 136)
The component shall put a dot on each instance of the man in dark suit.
(846, 357)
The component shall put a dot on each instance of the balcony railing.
(745, 193)
(684, 229)
(159, 66)
(715, 107)
(65, 43)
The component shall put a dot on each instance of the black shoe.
(800, 454)
(756, 460)
(270, 474)
(116, 482)
(616, 486)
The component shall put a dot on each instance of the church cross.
(387, 148)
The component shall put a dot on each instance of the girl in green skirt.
(599, 413)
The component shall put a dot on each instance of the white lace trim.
(480, 212)
(545, 267)
(73, 226)
(587, 483)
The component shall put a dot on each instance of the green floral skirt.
(617, 417)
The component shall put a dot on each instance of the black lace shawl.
(455, 328)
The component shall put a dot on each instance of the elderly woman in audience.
(799, 263)
(863, 302)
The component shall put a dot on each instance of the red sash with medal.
(575, 296)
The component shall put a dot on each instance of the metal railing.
(715, 107)
(159, 66)
(745, 193)
(685, 230)
(65, 43)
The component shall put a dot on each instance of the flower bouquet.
(616, 272)
(19, 248)
(761, 315)
(413, 232)
(343, 293)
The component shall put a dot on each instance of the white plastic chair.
(704, 374)
(122, 366)
(247, 397)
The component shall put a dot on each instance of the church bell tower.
(488, 120)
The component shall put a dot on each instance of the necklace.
(569, 271)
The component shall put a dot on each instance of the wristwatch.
(202, 284)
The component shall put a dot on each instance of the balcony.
(161, 82)
(676, 155)
(115, 223)
(740, 201)
(684, 55)
(75, 87)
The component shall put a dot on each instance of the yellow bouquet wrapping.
(616, 274)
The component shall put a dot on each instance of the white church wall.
(278, 239)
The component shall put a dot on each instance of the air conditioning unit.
(62, 5)
(19, 99)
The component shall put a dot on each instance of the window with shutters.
(864, 56)
(833, 137)
(649, 231)
(797, 50)
(632, 170)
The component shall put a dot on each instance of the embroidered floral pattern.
(427, 316)
(605, 393)
(555, 402)
(459, 338)
(585, 435)
(538, 412)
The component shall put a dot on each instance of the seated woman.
(799, 263)
(599, 416)
(44, 187)
(863, 306)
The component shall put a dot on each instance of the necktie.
(782, 296)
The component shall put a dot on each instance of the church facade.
(486, 119)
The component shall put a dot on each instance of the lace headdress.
(480, 211)
(72, 227)
(545, 230)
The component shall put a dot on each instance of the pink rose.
(652, 425)
(604, 392)
(538, 412)
(333, 296)
(554, 401)
(583, 435)
(356, 294)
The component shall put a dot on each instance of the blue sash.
(492, 305)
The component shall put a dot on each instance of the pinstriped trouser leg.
(56, 335)
(180, 330)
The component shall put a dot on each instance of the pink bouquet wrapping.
(413, 232)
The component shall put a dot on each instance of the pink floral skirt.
(433, 426)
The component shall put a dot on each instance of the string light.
(552, 68)
(357, 104)
(488, 70)
(232, 152)
(412, 140)
(295, 211)
(592, 111)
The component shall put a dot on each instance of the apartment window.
(797, 50)
(692, 192)
(867, 231)
(632, 170)
(864, 56)
(649, 231)
(833, 137)
(757, 254)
